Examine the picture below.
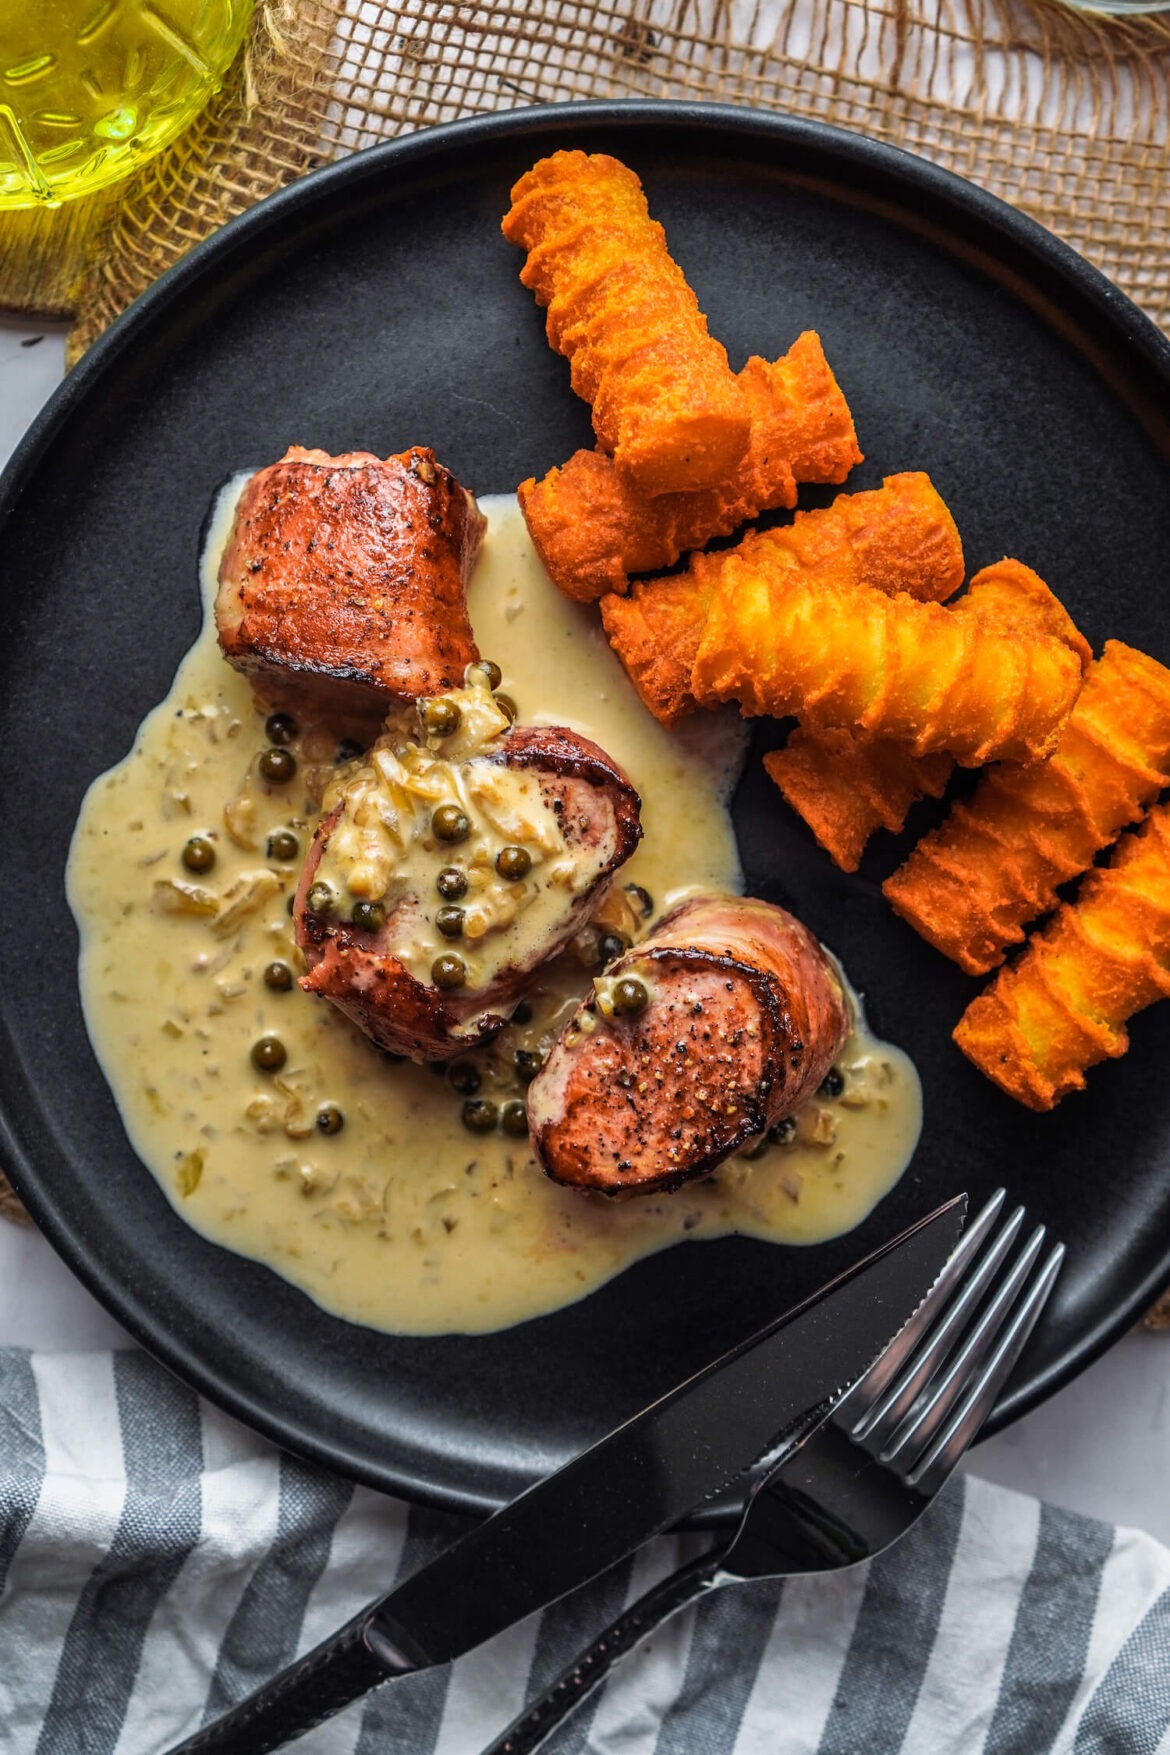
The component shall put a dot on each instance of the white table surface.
(1102, 1446)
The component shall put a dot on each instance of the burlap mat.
(1064, 114)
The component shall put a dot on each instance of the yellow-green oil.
(89, 89)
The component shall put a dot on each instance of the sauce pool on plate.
(355, 1176)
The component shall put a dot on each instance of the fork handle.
(586, 1672)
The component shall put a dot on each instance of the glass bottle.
(89, 89)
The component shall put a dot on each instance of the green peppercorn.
(450, 824)
(279, 977)
(492, 671)
(755, 1148)
(480, 1114)
(642, 899)
(269, 1054)
(610, 946)
(630, 995)
(508, 708)
(277, 765)
(463, 1076)
(448, 971)
(523, 1013)
(513, 863)
(368, 916)
(319, 899)
(832, 1084)
(528, 1062)
(290, 905)
(451, 883)
(440, 716)
(284, 846)
(449, 921)
(330, 1119)
(198, 854)
(514, 1119)
(782, 1133)
(280, 728)
(347, 751)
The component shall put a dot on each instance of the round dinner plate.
(375, 305)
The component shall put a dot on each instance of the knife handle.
(331, 1676)
(587, 1671)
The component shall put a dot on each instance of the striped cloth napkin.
(157, 1561)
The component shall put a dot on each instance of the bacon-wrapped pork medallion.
(665, 402)
(712, 1029)
(453, 860)
(593, 526)
(343, 586)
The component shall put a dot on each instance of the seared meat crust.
(598, 808)
(344, 581)
(744, 1018)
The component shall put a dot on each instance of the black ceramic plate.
(375, 305)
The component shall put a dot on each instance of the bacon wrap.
(357, 972)
(744, 1018)
(343, 586)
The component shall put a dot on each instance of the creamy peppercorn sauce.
(383, 848)
(403, 1219)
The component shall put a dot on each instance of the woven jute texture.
(1064, 114)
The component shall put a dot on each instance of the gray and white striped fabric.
(157, 1561)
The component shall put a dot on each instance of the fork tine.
(867, 1390)
(887, 1413)
(919, 1427)
(929, 1474)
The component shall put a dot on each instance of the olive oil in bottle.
(89, 89)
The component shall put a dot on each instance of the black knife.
(577, 1523)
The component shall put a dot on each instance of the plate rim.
(732, 124)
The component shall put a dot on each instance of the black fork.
(866, 1475)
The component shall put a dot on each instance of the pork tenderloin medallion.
(343, 585)
(452, 864)
(715, 1027)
